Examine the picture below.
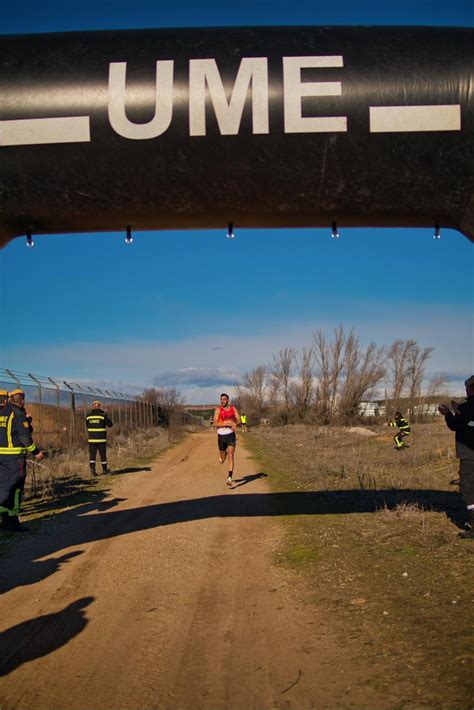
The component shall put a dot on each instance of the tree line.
(327, 381)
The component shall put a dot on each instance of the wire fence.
(59, 408)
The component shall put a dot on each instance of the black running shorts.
(225, 440)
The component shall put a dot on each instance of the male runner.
(226, 419)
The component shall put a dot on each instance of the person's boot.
(105, 468)
(93, 471)
(468, 532)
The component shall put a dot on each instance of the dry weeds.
(60, 473)
(381, 552)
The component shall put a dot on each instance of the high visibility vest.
(243, 419)
(96, 428)
(12, 443)
(403, 424)
(96, 423)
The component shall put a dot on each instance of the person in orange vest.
(97, 422)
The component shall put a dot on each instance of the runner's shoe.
(229, 481)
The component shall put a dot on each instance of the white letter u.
(163, 102)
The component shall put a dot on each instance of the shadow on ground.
(23, 564)
(39, 637)
(131, 469)
(247, 479)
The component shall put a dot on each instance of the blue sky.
(162, 319)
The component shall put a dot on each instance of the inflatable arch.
(263, 126)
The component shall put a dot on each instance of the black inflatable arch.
(264, 127)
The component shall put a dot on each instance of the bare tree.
(398, 361)
(329, 365)
(168, 402)
(406, 364)
(416, 374)
(303, 389)
(253, 389)
(281, 373)
(435, 388)
(346, 373)
(363, 371)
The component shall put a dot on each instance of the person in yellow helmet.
(17, 398)
(15, 443)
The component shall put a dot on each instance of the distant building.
(427, 410)
(369, 409)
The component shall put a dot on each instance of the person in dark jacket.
(403, 430)
(460, 419)
(15, 443)
(97, 422)
(17, 398)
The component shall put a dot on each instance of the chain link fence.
(58, 408)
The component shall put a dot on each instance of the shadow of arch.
(41, 636)
(77, 527)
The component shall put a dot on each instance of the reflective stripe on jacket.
(97, 422)
(403, 424)
(15, 434)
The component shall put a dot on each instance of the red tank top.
(227, 414)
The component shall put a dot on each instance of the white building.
(369, 409)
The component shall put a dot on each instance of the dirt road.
(163, 593)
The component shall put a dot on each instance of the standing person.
(97, 422)
(460, 419)
(243, 421)
(15, 443)
(403, 431)
(17, 398)
(226, 419)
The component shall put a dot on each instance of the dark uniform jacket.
(463, 423)
(403, 424)
(97, 422)
(29, 419)
(15, 443)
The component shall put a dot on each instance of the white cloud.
(201, 371)
(197, 377)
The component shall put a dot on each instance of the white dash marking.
(36, 131)
(395, 119)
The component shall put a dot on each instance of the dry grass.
(60, 473)
(381, 553)
(336, 458)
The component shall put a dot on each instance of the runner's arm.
(237, 416)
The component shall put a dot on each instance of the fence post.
(40, 418)
(58, 406)
(72, 416)
(119, 405)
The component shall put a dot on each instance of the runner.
(226, 419)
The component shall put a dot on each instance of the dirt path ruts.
(165, 595)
